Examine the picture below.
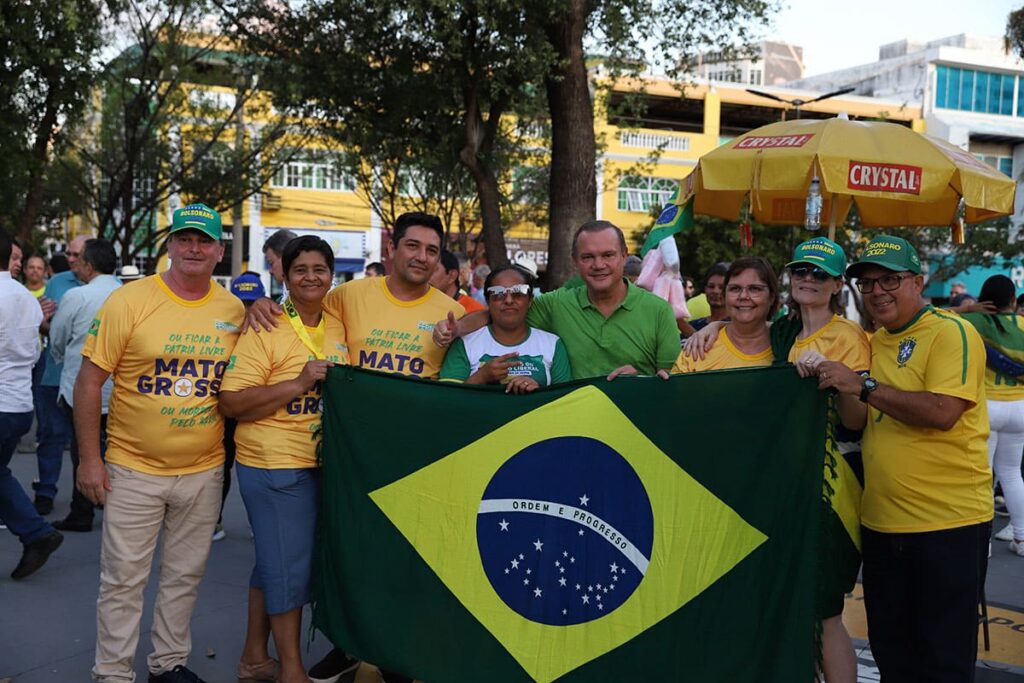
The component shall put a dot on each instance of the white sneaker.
(1017, 547)
(1006, 534)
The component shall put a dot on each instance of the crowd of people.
(163, 385)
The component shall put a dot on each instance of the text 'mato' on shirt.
(387, 334)
(167, 355)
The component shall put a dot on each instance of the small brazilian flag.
(592, 531)
(672, 219)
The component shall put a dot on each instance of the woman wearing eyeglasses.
(508, 351)
(751, 300)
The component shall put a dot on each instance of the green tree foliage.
(48, 50)
(439, 89)
(164, 125)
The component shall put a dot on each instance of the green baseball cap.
(197, 217)
(821, 252)
(891, 253)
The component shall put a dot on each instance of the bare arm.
(92, 474)
(256, 403)
(914, 408)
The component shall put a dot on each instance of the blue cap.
(248, 287)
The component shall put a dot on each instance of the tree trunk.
(490, 207)
(40, 153)
(573, 185)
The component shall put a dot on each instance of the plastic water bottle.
(812, 210)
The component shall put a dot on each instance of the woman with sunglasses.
(751, 300)
(508, 351)
(812, 333)
(817, 332)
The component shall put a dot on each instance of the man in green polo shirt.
(611, 327)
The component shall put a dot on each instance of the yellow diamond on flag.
(566, 532)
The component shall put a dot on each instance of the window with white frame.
(640, 193)
(319, 172)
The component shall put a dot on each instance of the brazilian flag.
(672, 219)
(638, 529)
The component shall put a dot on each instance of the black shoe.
(36, 553)
(332, 667)
(43, 505)
(179, 674)
(71, 523)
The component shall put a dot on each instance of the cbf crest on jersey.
(578, 533)
(905, 351)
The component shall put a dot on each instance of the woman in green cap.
(814, 331)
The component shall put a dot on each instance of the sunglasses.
(810, 271)
(497, 292)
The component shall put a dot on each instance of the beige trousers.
(186, 508)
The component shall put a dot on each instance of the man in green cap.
(167, 340)
(927, 508)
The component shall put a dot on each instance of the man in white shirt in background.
(20, 316)
(68, 330)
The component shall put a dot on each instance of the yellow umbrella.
(896, 177)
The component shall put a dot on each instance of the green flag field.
(632, 530)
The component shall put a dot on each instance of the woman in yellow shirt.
(751, 300)
(272, 387)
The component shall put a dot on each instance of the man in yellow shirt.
(927, 506)
(167, 340)
(388, 324)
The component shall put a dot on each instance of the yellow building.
(640, 165)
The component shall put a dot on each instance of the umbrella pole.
(832, 210)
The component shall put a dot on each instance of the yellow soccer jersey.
(840, 340)
(167, 356)
(387, 334)
(918, 479)
(722, 356)
(288, 437)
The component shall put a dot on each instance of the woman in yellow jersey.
(272, 387)
(751, 299)
(1003, 333)
(816, 281)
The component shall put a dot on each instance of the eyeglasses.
(887, 282)
(809, 271)
(517, 291)
(753, 291)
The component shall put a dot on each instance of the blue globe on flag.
(565, 531)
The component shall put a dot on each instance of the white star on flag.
(537, 592)
(515, 563)
(561, 581)
(504, 525)
(526, 582)
(614, 567)
(584, 499)
(538, 545)
(586, 599)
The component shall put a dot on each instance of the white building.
(774, 63)
(971, 93)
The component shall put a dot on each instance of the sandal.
(265, 672)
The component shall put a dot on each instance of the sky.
(854, 30)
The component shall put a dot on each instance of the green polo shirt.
(641, 332)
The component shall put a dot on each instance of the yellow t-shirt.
(287, 438)
(919, 479)
(723, 355)
(167, 356)
(38, 293)
(387, 334)
(840, 340)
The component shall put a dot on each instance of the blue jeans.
(16, 509)
(54, 435)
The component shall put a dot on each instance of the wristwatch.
(869, 385)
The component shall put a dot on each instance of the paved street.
(47, 626)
